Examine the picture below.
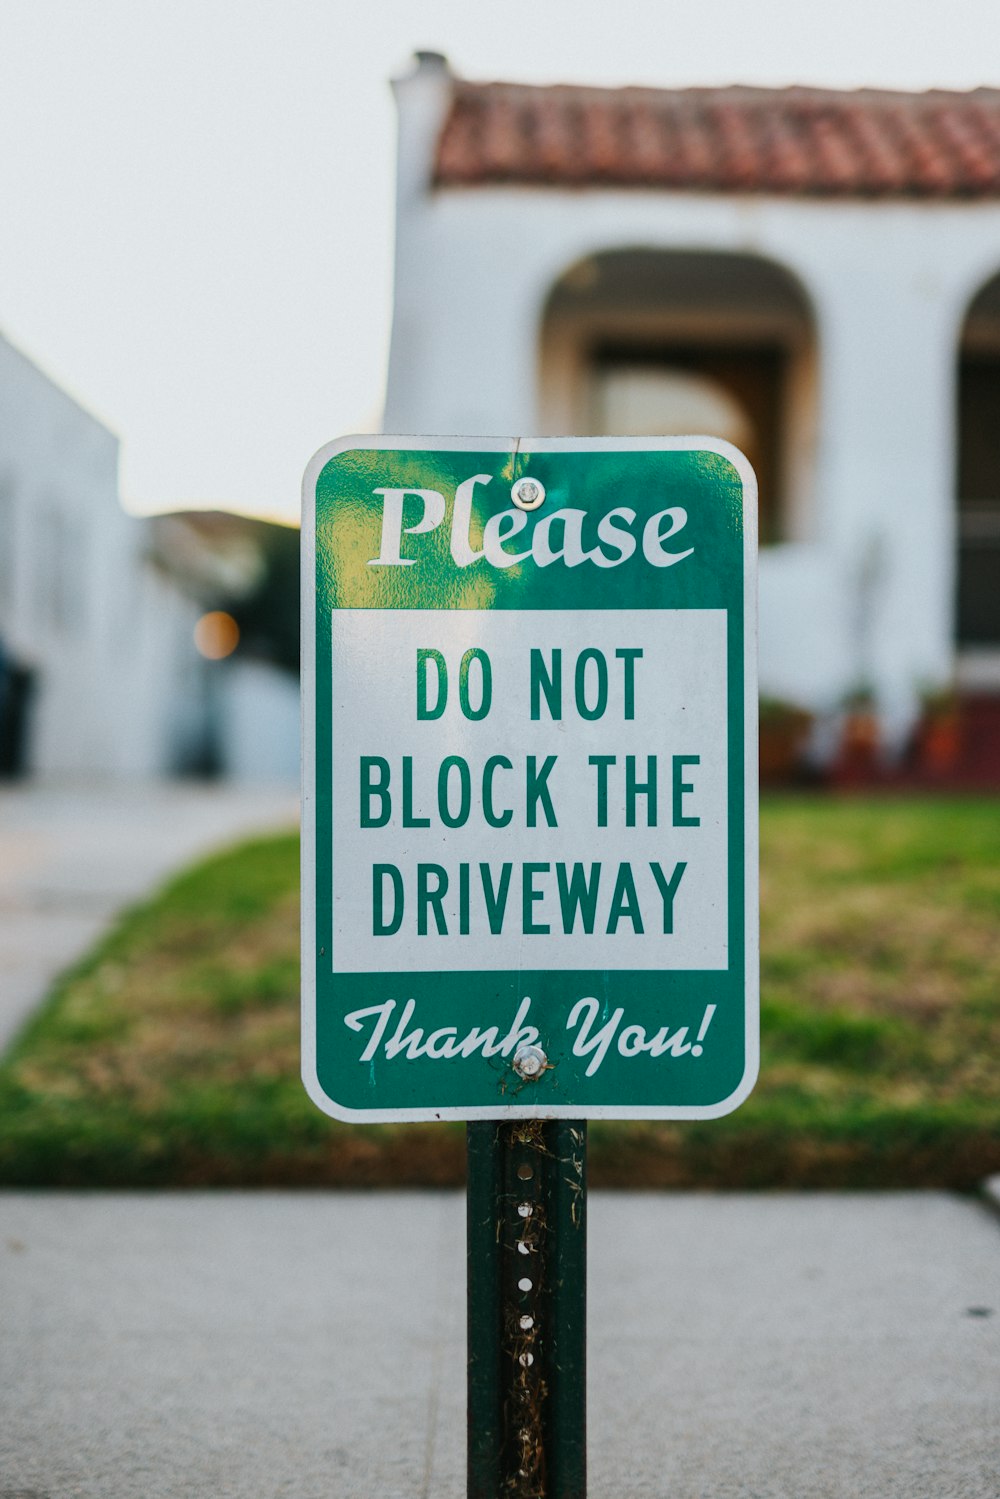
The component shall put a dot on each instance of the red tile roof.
(798, 141)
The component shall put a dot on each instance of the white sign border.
(751, 882)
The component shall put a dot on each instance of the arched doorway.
(665, 343)
(978, 594)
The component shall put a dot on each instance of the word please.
(410, 1041)
(557, 535)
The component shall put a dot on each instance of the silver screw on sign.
(530, 1062)
(527, 494)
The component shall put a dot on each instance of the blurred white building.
(99, 670)
(811, 274)
(95, 639)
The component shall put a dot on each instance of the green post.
(527, 1328)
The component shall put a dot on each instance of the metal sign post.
(529, 845)
(527, 1309)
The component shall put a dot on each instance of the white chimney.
(423, 97)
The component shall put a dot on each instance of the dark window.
(979, 500)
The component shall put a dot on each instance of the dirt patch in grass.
(170, 1056)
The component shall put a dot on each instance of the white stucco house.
(814, 275)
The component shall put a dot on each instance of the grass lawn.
(169, 1056)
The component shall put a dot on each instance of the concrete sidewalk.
(71, 856)
(199, 1346)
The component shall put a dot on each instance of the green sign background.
(341, 534)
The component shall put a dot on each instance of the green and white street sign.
(530, 778)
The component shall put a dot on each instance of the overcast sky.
(197, 195)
